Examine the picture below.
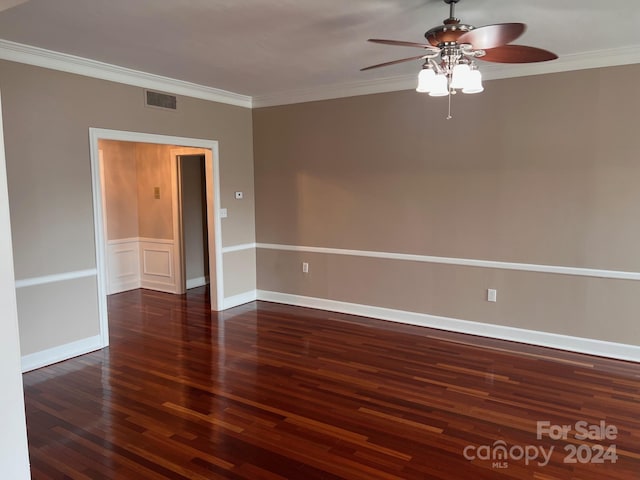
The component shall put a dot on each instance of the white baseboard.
(58, 354)
(125, 287)
(544, 339)
(159, 286)
(239, 299)
(197, 282)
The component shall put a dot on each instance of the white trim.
(544, 339)
(213, 186)
(161, 241)
(580, 61)
(176, 224)
(197, 282)
(238, 248)
(17, 52)
(467, 262)
(166, 253)
(338, 90)
(212, 177)
(57, 277)
(13, 434)
(58, 354)
(40, 57)
(178, 228)
(119, 256)
(120, 241)
(240, 299)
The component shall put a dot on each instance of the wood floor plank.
(268, 391)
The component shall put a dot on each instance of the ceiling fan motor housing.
(447, 33)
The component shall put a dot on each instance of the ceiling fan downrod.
(452, 9)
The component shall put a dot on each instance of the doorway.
(192, 219)
(209, 148)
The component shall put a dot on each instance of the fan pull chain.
(449, 117)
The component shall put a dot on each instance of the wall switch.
(223, 213)
(305, 267)
(156, 193)
(239, 195)
(492, 295)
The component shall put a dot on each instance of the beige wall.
(538, 170)
(47, 118)
(121, 188)
(155, 218)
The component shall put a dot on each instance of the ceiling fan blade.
(517, 54)
(393, 62)
(401, 43)
(492, 36)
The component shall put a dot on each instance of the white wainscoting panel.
(156, 259)
(141, 263)
(123, 265)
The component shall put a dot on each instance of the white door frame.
(212, 164)
(178, 227)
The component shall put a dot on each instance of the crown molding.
(17, 52)
(338, 90)
(490, 71)
(577, 61)
(40, 57)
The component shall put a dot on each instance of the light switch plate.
(492, 295)
(223, 213)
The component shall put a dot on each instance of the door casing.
(212, 175)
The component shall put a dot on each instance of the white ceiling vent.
(160, 100)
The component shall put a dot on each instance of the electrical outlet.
(492, 295)
(305, 267)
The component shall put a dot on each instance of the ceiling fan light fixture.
(426, 80)
(440, 86)
(474, 84)
(460, 77)
(452, 48)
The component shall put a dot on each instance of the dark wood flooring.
(267, 391)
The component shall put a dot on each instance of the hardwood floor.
(267, 391)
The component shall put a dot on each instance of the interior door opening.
(139, 228)
(192, 208)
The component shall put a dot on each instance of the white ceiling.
(263, 47)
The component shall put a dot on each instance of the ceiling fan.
(452, 48)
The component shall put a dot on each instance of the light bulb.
(460, 77)
(474, 85)
(440, 86)
(426, 79)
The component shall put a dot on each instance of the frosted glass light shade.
(426, 79)
(461, 76)
(474, 84)
(440, 86)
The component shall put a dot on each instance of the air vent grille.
(160, 100)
